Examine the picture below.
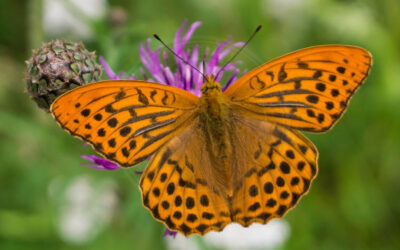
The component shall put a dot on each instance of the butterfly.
(227, 156)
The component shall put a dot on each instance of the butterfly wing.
(179, 189)
(126, 121)
(308, 89)
(273, 167)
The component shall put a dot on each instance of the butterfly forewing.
(307, 90)
(126, 121)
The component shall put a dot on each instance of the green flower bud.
(57, 67)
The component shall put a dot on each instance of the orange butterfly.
(232, 156)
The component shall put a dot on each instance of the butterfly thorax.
(213, 113)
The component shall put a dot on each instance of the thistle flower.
(184, 77)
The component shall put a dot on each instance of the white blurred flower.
(351, 21)
(236, 237)
(72, 16)
(284, 9)
(86, 208)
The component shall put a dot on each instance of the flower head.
(184, 76)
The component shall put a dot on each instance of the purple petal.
(180, 65)
(170, 77)
(165, 77)
(199, 80)
(144, 57)
(186, 76)
(215, 56)
(145, 77)
(107, 69)
(177, 39)
(110, 73)
(189, 33)
(165, 57)
(132, 77)
(169, 233)
(194, 57)
(99, 163)
(228, 50)
(231, 79)
(178, 79)
(195, 75)
(121, 75)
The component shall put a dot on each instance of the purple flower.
(184, 77)
(110, 73)
(99, 163)
(170, 233)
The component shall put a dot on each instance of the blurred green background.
(353, 204)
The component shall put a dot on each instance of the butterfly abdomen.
(213, 113)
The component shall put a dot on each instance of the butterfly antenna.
(175, 54)
(241, 48)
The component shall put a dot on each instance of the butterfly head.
(210, 85)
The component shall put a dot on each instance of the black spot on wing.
(142, 97)
(282, 73)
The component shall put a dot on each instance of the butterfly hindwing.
(126, 121)
(273, 168)
(178, 192)
(307, 90)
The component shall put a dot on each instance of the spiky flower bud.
(59, 66)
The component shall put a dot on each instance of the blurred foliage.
(353, 203)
